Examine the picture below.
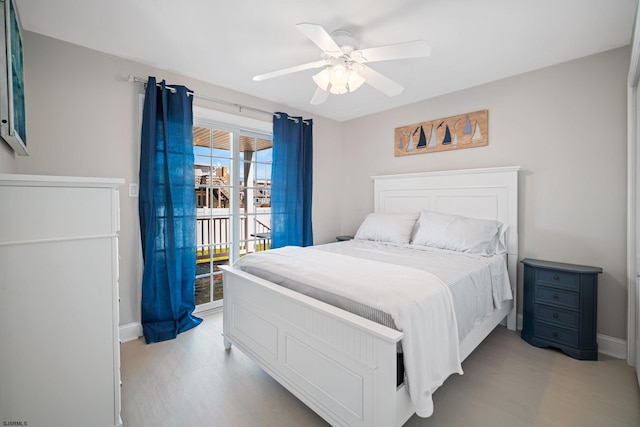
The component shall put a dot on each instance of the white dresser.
(59, 345)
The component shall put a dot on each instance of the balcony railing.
(214, 237)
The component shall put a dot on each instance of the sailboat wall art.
(451, 133)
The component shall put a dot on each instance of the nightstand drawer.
(555, 277)
(557, 297)
(556, 315)
(559, 335)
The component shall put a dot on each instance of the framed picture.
(450, 133)
(13, 127)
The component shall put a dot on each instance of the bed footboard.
(340, 365)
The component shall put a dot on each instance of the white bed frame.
(339, 364)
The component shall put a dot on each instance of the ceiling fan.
(344, 66)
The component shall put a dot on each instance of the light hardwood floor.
(193, 382)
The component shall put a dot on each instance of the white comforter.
(478, 284)
(418, 301)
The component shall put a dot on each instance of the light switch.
(133, 190)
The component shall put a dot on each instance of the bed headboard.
(490, 193)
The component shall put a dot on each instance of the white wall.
(566, 126)
(82, 119)
(7, 158)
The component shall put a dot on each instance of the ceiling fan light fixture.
(322, 79)
(339, 75)
(339, 79)
(338, 89)
(354, 81)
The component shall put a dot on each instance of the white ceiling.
(228, 42)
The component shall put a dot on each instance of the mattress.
(478, 284)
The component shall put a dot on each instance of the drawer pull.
(555, 335)
(555, 296)
(556, 277)
(555, 315)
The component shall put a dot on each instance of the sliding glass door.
(232, 190)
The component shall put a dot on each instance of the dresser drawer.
(556, 334)
(557, 297)
(556, 315)
(555, 277)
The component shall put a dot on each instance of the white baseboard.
(133, 331)
(519, 322)
(614, 347)
(207, 312)
(130, 331)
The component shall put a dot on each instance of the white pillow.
(460, 233)
(384, 227)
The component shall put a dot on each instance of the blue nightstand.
(560, 307)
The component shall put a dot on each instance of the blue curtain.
(167, 212)
(291, 181)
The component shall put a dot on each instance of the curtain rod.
(240, 107)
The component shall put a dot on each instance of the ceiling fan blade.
(414, 49)
(320, 96)
(278, 73)
(380, 82)
(320, 37)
